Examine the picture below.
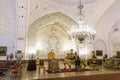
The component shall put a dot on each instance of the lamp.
(81, 31)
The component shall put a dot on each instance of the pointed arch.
(48, 19)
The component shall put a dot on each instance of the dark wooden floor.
(115, 76)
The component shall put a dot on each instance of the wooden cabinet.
(31, 65)
(3, 65)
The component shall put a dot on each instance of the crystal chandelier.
(81, 31)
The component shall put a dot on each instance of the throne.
(69, 59)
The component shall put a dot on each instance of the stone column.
(21, 24)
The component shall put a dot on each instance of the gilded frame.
(3, 50)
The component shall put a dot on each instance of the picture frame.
(41, 62)
(118, 54)
(3, 50)
(99, 53)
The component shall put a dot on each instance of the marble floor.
(29, 75)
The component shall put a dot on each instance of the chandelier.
(82, 30)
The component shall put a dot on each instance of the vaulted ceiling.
(94, 9)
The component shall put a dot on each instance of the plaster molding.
(45, 20)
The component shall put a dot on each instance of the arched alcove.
(100, 45)
(50, 31)
(8, 40)
(114, 38)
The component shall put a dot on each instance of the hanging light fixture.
(81, 31)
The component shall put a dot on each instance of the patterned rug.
(66, 70)
(115, 76)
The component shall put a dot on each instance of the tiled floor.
(29, 75)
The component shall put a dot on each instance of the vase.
(18, 55)
(11, 56)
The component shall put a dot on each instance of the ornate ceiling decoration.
(94, 8)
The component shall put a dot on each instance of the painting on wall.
(41, 62)
(99, 53)
(3, 50)
(118, 54)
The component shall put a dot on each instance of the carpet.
(115, 76)
(66, 70)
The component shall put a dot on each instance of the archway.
(114, 38)
(99, 45)
(50, 32)
(8, 40)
